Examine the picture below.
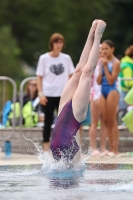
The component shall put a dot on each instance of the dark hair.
(28, 93)
(55, 38)
(129, 51)
(109, 42)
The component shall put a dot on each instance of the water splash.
(62, 168)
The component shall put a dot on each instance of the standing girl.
(109, 70)
(96, 115)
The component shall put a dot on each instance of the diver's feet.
(93, 27)
(101, 25)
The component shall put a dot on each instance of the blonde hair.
(129, 51)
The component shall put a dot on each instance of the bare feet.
(101, 25)
(104, 153)
(95, 153)
(111, 154)
(93, 27)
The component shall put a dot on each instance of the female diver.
(75, 97)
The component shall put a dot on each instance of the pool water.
(85, 183)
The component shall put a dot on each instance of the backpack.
(11, 118)
(30, 117)
(5, 112)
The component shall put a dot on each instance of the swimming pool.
(90, 182)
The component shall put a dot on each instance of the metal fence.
(123, 79)
(4, 79)
(21, 91)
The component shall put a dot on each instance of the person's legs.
(122, 106)
(108, 109)
(82, 94)
(112, 104)
(103, 136)
(95, 115)
(87, 122)
(57, 101)
(71, 86)
(104, 124)
(88, 45)
(48, 109)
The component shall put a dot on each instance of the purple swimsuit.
(63, 143)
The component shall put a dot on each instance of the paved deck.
(123, 158)
(20, 159)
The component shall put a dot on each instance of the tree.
(120, 19)
(33, 23)
(9, 52)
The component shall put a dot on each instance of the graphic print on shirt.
(57, 69)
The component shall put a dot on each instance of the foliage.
(119, 18)
(33, 23)
(9, 53)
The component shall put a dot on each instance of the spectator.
(128, 118)
(95, 115)
(126, 72)
(29, 111)
(31, 106)
(31, 92)
(109, 70)
(53, 71)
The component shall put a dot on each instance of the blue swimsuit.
(63, 143)
(106, 87)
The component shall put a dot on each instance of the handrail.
(5, 78)
(125, 79)
(21, 93)
(21, 97)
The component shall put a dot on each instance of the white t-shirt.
(55, 72)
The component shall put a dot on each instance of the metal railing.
(123, 79)
(5, 78)
(21, 90)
